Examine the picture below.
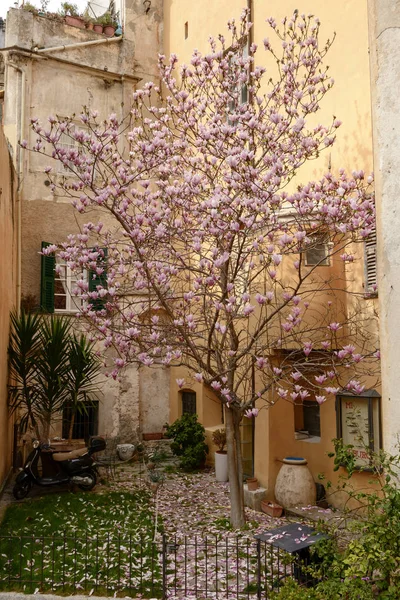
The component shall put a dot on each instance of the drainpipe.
(18, 149)
(110, 40)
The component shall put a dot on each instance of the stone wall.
(384, 21)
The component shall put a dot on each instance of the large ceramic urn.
(295, 485)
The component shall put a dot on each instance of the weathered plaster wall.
(8, 292)
(101, 77)
(154, 398)
(384, 19)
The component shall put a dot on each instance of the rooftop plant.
(69, 9)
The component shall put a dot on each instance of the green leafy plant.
(369, 564)
(30, 8)
(69, 9)
(83, 370)
(188, 442)
(156, 476)
(219, 439)
(291, 590)
(107, 19)
(23, 350)
(50, 369)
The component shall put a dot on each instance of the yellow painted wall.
(8, 293)
(350, 102)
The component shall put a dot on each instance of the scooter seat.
(60, 456)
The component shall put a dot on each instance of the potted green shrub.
(109, 24)
(89, 21)
(221, 456)
(71, 15)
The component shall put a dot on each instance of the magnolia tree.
(199, 259)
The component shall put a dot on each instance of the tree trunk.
(71, 426)
(46, 428)
(234, 447)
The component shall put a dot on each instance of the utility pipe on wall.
(80, 45)
(18, 152)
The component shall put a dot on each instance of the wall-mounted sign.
(359, 423)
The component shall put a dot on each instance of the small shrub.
(291, 590)
(367, 566)
(188, 442)
(219, 439)
(30, 8)
(69, 9)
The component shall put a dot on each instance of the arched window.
(188, 403)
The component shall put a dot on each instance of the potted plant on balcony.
(221, 457)
(109, 24)
(71, 15)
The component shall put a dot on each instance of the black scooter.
(58, 468)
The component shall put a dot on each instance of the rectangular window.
(317, 254)
(68, 143)
(359, 424)
(57, 287)
(370, 269)
(85, 422)
(188, 403)
(239, 91)
(64, 286)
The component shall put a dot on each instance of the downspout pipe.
(110, 40)
(18, 152)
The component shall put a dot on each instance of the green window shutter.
(95, 280)
(48, 264)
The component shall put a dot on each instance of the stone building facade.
(53, 68)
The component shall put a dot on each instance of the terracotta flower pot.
(98, 28)
(152, 436)
(75, 21)
(271, 509)
(252, 484)
(109, 30)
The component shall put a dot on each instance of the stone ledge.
(252, 499)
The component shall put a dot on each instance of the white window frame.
(69, 143)
(239, 87)
(73, 303)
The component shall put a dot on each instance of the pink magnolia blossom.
(194, 191)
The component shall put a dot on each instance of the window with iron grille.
(317, 254)
(188, 403)
(85, 423)
(370, 284)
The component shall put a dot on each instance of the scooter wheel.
(93, 480)
(21, 490)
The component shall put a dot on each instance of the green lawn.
(67, 542)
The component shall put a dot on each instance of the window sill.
(300, 436)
